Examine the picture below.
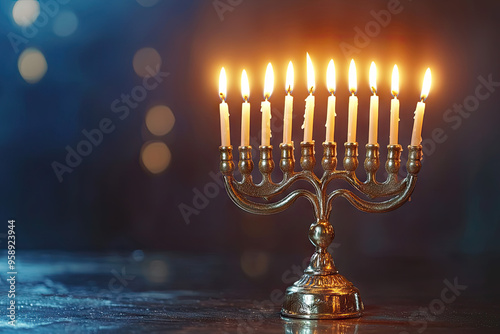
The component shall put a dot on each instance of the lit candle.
(287, 127)
(245, 110)
(416, 137)
(309, 113)
(224, 110)
(393, 136)
(330, 116)
(265, 106)
(373, 130)
(353, 104)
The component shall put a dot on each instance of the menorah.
(321, 293)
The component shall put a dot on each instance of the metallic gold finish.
(321, 293)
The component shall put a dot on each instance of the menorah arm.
(370, 187)
(266, 208)
(369, 206)
(268, 189)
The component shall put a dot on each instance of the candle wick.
(311, 91)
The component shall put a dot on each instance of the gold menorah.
(321, 293)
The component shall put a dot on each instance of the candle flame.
(330, 77)
(426, 87)
(395, 81)
(310, 75)
(289, 78)
(222, 84)
(245, 87)
(373, 78)
(269, 82)
(353, 85)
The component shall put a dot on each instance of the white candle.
(245, 110)
(224, 110)
(353, 104)
(373, 131)
(393, 135)
(308, 118)
(310, 101)
(374, 103)
(330, 115)
(287, 126)
(265, 107)
(394, 132)
(330, 119)
(416, 137)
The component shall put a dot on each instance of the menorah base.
(322, 297)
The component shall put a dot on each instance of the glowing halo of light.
(155, 157)
(373, 78)
(222, 84)
(395, 81)
(330, 77)
(426, 86)
(289, 78)
(353, 82)
(147, 62)
(160, 120)
(245, 86)
(32, 65)
(311, 82)
(25, 12)
(65, 24)
(269, 81)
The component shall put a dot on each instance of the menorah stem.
(322, 293)
(321, 235)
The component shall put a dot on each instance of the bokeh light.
(160, 120)
(147, 62)
(32, 65)
(157, 271)
(25, 12)
(138, 255)
(155, 156)
(65, 24)
(147, 3)
(254, 263)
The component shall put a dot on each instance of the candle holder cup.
(321, 293)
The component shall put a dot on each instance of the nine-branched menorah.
(321, 293)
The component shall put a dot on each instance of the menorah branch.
(238, 191)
